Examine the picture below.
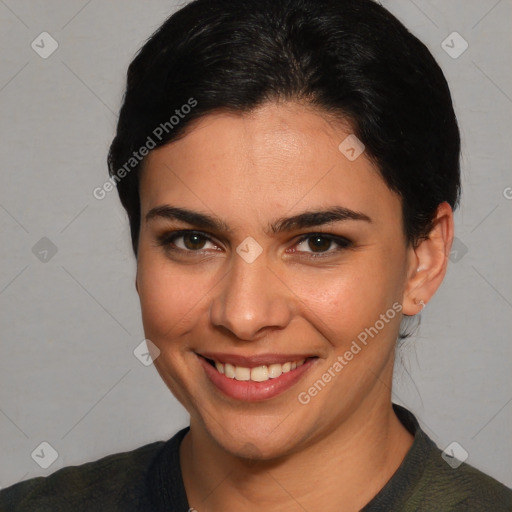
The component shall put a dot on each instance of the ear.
(428, 262)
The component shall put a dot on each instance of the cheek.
(169, 299)
(344, 302)
(339, 302)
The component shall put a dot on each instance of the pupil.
(193, 241)
(319, 242)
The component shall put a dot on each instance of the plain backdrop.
(69, 313)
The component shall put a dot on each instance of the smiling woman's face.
(246, 287)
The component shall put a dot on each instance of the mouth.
(255, 379)
(259, 373)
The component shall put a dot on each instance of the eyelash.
(167, 240)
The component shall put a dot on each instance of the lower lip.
(250, 391)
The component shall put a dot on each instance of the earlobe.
(428, 262)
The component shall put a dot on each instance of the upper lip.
(253, 361)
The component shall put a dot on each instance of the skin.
(249, 170)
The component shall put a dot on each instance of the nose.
(251, 299)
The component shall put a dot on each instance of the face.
(264, 249)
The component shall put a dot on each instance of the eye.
(321, 243)
(190, 241)
(187, 241)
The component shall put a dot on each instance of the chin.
(254, 437)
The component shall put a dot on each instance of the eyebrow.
(303, 220)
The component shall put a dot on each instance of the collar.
(167, 490)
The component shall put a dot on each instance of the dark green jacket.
(149, 479)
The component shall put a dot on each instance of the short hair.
(351, 59)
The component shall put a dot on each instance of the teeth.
(229, 370)
(242, 373)
(275, 370)
(258, 373)
(286, 367)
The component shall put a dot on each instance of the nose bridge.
(250, 298)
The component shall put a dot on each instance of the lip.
(253, 361)
(250, 391)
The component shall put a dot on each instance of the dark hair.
(350, 58)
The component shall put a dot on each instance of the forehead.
(276, 156)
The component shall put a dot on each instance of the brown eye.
(186, 241)
(319, 243)
(194, 241)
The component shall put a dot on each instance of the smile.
(256, 378)
(258, 373)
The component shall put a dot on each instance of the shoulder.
(462, 487)
(430, 479)
(115, 479)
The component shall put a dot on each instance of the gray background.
(70, 321)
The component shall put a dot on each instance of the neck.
(353, 462)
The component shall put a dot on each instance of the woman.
(289, 169)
